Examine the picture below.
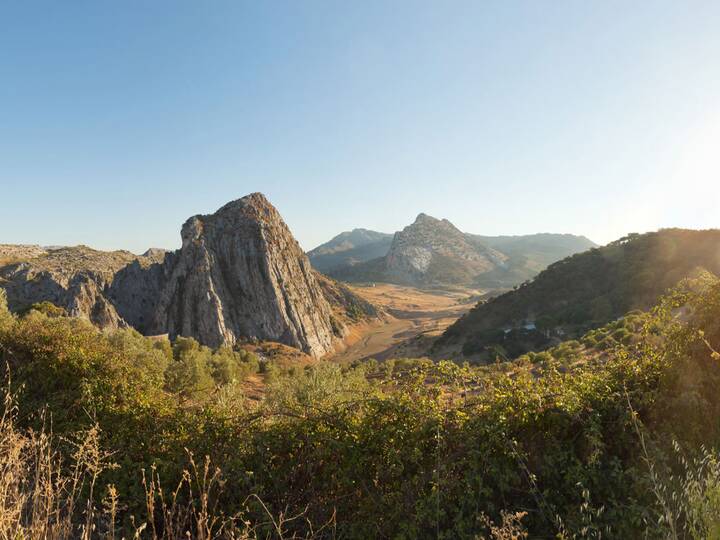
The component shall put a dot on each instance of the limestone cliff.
(241, 274)
(73, 278)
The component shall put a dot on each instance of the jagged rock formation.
(239, 275)
(72, 278)
(433, 252)
(135, 289)
(350, 248)
(430, 250)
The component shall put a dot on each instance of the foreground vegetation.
(106, 435)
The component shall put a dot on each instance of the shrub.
(189, 375)
(430, 449)
(228, 366)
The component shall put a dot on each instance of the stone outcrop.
(75, 279)
(135, 289)
(420, 251)
(239, 275)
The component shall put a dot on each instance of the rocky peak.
(241, 273)
(428, 228)
(434, 235)
(432, 245)
(424, 218)
(156, 254)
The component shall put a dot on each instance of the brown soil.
(415, 318)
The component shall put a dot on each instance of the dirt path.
(415, 318)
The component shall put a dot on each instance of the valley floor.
(414, 319)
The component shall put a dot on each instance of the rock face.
(135, 289)
(240, 273)
(431, 248)
(73, 278)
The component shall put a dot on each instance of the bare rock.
(241, 274)
(432, 250)
(73, 278)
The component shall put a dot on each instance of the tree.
(189, 373)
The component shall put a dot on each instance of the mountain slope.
(349, 248)
(589, 289)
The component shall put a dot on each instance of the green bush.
(229, 366)
(189, 373)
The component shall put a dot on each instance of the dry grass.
(509, 528)
(45, 495)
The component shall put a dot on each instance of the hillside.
(349, 248)
(434, 253)
(18, 252)
(587, 290)
(76, 279)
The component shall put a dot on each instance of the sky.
(119, 120)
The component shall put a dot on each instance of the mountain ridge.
(434, 252)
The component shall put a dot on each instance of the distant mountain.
(588, 289)
(527, 255)
(538, 250)
(433, 252)
(350, 248)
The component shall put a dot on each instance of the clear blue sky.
(118, 120)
